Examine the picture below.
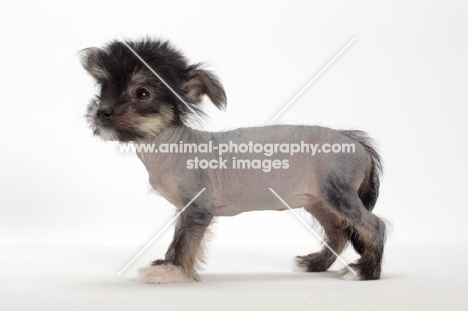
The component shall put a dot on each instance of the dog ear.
(90, 59)
(203, 82)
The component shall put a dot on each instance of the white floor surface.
(235, 278)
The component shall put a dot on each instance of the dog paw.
(162, 274)
(350, 275)
(298, 264)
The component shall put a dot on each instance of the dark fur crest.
(118, 71)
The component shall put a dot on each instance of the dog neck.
(168, 170)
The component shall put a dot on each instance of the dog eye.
(143, 94)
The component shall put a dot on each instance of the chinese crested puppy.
(154, 106)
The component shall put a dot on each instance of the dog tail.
(369, 190)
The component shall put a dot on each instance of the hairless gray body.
(232, 191)
(325, 184)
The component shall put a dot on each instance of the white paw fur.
(162, 274)
(296, 267)
(348, 275)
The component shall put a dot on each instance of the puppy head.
(133, 103)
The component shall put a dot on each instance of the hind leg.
(336, 238)
(368, 238)
(366, 231)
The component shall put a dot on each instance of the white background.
(404, 80)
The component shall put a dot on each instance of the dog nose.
(105, 113)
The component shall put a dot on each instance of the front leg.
(185, 251)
